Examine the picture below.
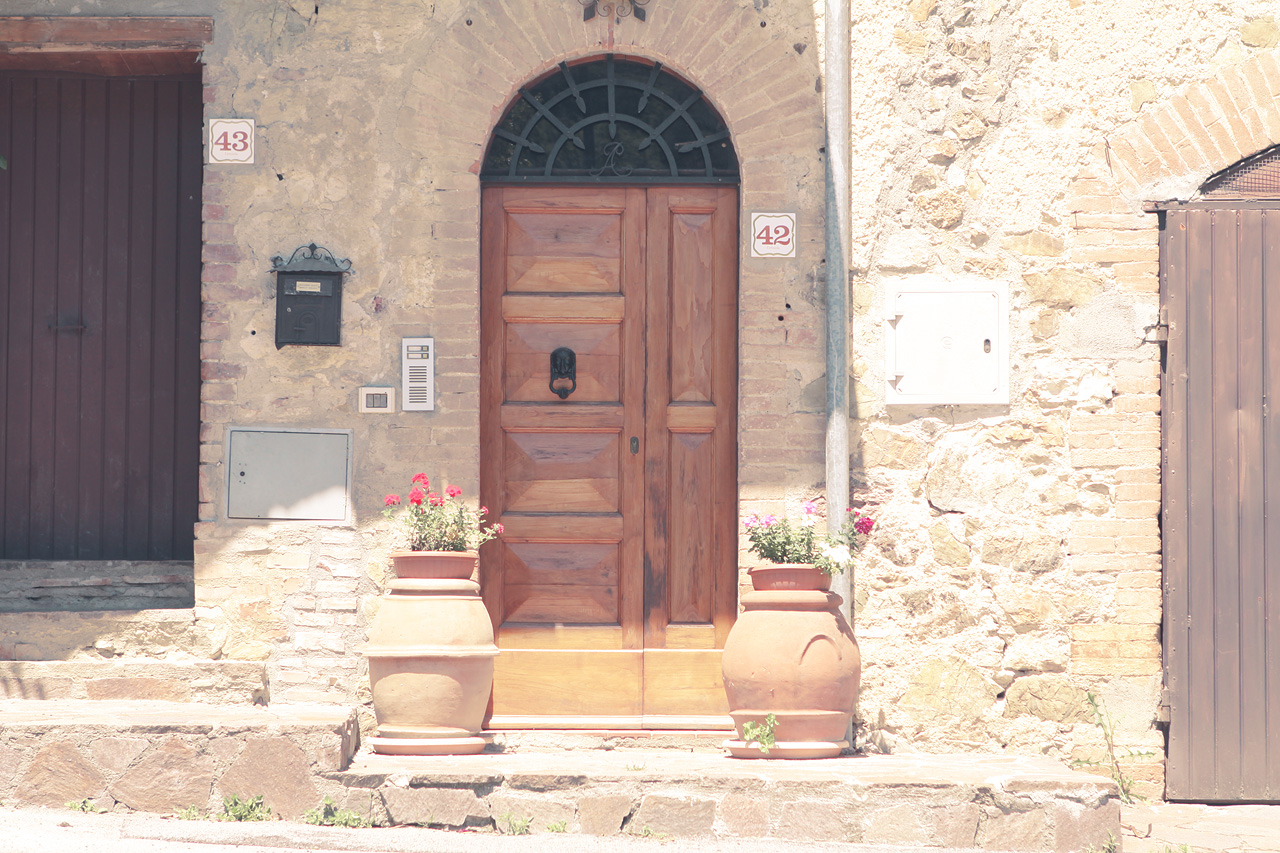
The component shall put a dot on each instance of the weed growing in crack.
(236, 809)
(330, 815)
(1112, 764)
(514, 825)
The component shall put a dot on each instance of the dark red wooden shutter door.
(99, 341)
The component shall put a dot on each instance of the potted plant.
(431, 646)
(791, 664)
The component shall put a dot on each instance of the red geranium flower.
(392, 500)
(452, 491)
(415, 496)
(435, 500)
(421, 478)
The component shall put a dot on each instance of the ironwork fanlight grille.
(611, 120)
(1256, 177)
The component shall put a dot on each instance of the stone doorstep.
(985, 802)
(214, 681)
(559, 740)
(156, 756)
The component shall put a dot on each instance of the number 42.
(774, 235)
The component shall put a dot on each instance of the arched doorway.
(609, 399)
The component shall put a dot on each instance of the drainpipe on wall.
(837, 57)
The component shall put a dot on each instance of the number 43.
(234, 141)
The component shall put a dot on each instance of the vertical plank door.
(1220, 273)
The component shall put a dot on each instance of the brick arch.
(1170, 149)
(767, 95)
(1167, 153)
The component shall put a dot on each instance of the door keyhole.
(635, 444)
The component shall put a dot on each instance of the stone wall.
(1016, 566)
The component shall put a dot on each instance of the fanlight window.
(611, 120)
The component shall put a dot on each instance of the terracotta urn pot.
(431, 654)
(792, 654)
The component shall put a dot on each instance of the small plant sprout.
(558, 826)
(509, 824)
(330, 815)
(236, 809)
(85, 805)
(190, 813)
(635, 767)
(760, 733)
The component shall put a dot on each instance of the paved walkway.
(1158, 828)
(1155, 828)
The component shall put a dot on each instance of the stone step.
(157, 756)
(99, 634)
(215, 681)
(27, 585)
(969, 801)
(560, 740)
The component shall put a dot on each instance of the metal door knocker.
(564, 365)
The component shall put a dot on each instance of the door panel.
(596, 560)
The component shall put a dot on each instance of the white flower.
(838, 554)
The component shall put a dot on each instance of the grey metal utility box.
(289, 474)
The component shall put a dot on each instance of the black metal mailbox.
(309, 297)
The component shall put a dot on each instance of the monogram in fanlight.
(619, 8)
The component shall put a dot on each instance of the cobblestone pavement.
(1156, 827)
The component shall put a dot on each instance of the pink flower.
(770, 520)
(484, 510)
(810, 507)
(415, 496)
(864, 524)
(435, 500)
(392, 500)
(751, 522)
(421, 478)
(498, 528)
(452, 491)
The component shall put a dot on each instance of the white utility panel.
(418, 374)
(946, 342)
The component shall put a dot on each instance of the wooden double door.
(613, 585)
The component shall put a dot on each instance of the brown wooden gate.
(100, 289)
(614, 584)
(1220, 281)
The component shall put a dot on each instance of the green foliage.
(85, 806)
(330, 815)
(190, 813)
(760, 733)
(558, 826)
(1112, 765)
(236, 809)
(635, 767)
(779, 540)
(509, 824)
